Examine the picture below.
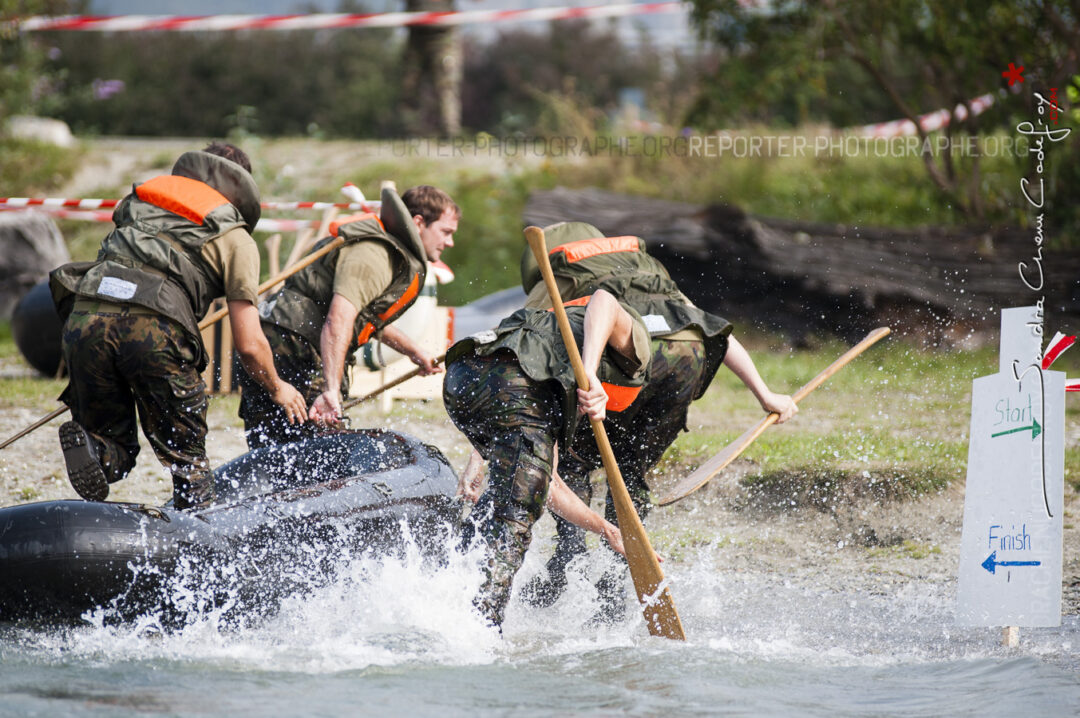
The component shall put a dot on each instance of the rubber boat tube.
(285, 518)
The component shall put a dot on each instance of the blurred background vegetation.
(798, 69)
(802, 70)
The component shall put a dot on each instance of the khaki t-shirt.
(364, 271)
(235, 257)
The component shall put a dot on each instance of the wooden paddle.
(716, 464)
(389, 385)
(36, 425)
(292, 269)
(209, 320)
(660, 614)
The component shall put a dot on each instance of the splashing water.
(397, 635)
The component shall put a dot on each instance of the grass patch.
(224, 410)
(37, 392)
(677, 543)
(893, 424)
(907, 549)
(31, 168)
(1072, 454)
(7, 341)
(825, 489)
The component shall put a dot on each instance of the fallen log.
(945, 284)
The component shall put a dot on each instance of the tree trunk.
(433, 69)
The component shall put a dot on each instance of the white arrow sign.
(1010, 555)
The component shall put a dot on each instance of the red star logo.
(1014, 74)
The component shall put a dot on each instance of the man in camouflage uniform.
(512, 392)
(131, 338)
(688, 346)
(325, 311)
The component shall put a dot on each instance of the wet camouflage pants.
(118, 363)
(298, 363)
(513, 422)
(638, 439)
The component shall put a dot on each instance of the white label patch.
(266, 307)
(483, 337)
(655, 323)
(116, 288)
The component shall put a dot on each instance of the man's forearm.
(335, 338)
(332, 348)
(251, 345)
(399, 341)
(738, 360)
(606, 324)
(564, 502)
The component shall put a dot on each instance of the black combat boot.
(81, 458)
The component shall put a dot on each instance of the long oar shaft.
(388, 385)
(719, 462)
(660, 614)
(37, 424)
(292, 269)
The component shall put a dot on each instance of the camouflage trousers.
(514, 423)
(638, 440)
(298, 363)
(120, 363)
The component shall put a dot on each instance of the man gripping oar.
(513, 393)
(688, 347)
(324, 312)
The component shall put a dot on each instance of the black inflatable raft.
(286, 517)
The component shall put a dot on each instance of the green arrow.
(1035, 430)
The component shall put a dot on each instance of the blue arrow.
(990, 564)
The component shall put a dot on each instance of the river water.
(398, 637)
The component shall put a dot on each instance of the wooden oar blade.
(658, 607)
(707, 471)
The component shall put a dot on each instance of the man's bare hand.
(613, 536)
(472, 478)
(594, 401)
(292, 401)
(781, 404)
(426, 363)
(327, 408)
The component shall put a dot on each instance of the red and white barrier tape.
(321, 21)
(50, 203)
(56, 203)
(929, 122)
(264, 225)
(1056, 347)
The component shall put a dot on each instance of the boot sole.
(84, 471)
